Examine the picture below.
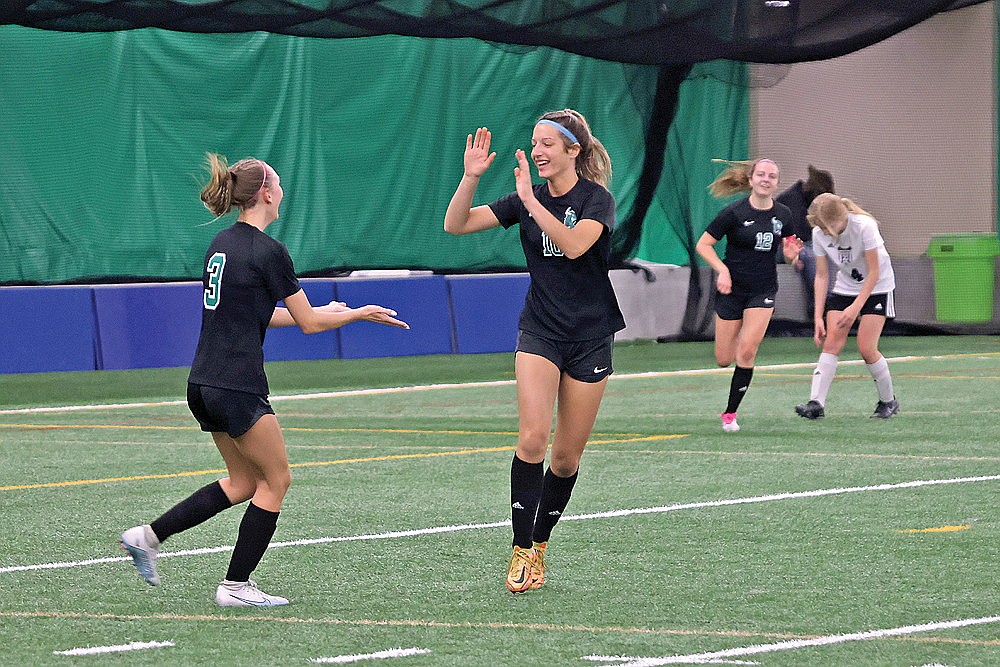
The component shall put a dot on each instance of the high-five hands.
(522, 177)
(478, 157)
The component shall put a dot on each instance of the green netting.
(104, 135)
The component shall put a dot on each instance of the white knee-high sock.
(883, 381)
(826, 370)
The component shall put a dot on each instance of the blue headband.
(561, 128)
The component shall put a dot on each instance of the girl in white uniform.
(847, 237)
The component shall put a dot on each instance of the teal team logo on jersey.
(569, 218)
(776, 225)
(549, 248)
(213, 292)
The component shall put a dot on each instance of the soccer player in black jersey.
(747, 282)
(246, 273)
(570, 315)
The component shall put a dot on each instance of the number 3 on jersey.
(213, 293)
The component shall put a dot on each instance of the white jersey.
(847, 253)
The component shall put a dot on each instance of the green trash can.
(963, 276)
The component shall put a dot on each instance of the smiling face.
(764, 178)
(551, 154)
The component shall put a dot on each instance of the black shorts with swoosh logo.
(731, 306)
(583, 360)
(877, 304)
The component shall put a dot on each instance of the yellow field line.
(422, 623)
(672, 436)
(939, 529)
(309, 464)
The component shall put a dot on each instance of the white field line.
(425, 387)
(119, 648)
(391, 653)
(756, 649)
(502, 524)
(626, 658)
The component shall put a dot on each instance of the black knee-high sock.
(200, 506)
(555, 496)
(525, 492)
(256, 531)
(738, 387)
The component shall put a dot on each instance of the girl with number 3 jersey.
(246, 273)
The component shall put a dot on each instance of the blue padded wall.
(157, 325)
(421, 301)
(46, 329)
(148, 326)
(486, 310)
(289, 343)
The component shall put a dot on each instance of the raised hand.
(478, 157)
(522, 177)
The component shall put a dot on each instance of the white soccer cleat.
(245, 594)
(729, 424)
(143, 546)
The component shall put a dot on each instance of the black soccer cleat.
(810, 410)
(885, 409)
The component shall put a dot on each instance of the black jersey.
(753, 238)
(797, 199)
(246, 274)
(569, 299)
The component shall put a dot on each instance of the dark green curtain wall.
(103, 138)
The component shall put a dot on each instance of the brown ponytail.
(236, 186)
(736, 177)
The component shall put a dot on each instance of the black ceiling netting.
(654, 32)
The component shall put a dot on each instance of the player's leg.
(869, 332)
(143, 542)
(577, 410)
(755, 321)
(537, 387)
(727, 334)
(263, 447)
(826, 368)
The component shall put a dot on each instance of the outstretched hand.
(380, 315)
(478, 157)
